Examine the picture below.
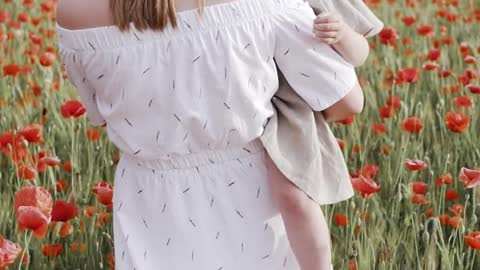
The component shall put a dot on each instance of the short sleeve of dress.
(315, 70)
(72, 63)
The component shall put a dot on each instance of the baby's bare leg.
(305, 224)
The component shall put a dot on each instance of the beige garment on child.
(299, 140)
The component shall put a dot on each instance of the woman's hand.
(329, 27)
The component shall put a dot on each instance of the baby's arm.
(330, 28)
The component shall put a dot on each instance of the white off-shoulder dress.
(186, 107)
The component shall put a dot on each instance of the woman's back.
(206, 84)
(203, 88)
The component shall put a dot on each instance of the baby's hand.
(329, 27)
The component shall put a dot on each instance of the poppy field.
(413, 153)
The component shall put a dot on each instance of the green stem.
(27, 244)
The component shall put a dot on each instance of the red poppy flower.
(370, 171)
(386, 112)
(455, 222)
(366, 187)
(26, 172)
(341, 219)
(52, 250)
(444, 180)
(34, 196)
(48, 6)
(415, 164)
(67, 166)
(463, 79)
(469, 59)
(394, 102)
(64, 211)
(470, 178)
(66, 229)
(408, 74)
(104, 193)
(472, 73)
(457, 209)
(379, 128)
(444, 73)
(93, 134)
(442, 13)
(9, 252)
(451, 195)
(4, 16)
(463, 101)
(450, 89)
(37, 90)
(61, 185)
(409, 20)
(419, 187)
(33, 133)
(443, 219)
(347, 120)
(6, 138)
(425, 30)
(13, 147)
(352, 264)
(419, 199)
(36, 21)
(50, 161)
(102, 218)
(72, 108)
(90, 211)
(412, 124)
(434, 54)
(474, 89)
(11, 70)
(429, 66)
(28, 3)
(473, 240)
(14, 24)
(457, 122)
(407, 41)
(388, 36)
(385, 149)
(429, 212)
(23, 17)
(30, 217)
(47, 59)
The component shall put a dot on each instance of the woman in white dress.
(185, 97)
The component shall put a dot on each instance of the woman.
(185, 97)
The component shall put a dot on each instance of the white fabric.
(209, 210)
(171, 98)
(205, 85)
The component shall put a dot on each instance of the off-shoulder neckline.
(178, 14)
(188, 21)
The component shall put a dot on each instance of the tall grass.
(398, 234)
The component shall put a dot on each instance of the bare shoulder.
(80, 14)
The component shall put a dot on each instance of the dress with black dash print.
(186, 107)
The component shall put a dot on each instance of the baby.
(344, 25)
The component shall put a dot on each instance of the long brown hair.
(146, 14)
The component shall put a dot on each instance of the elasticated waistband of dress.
(109, 37)
(209, 157)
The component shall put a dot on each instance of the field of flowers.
(414, 152)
